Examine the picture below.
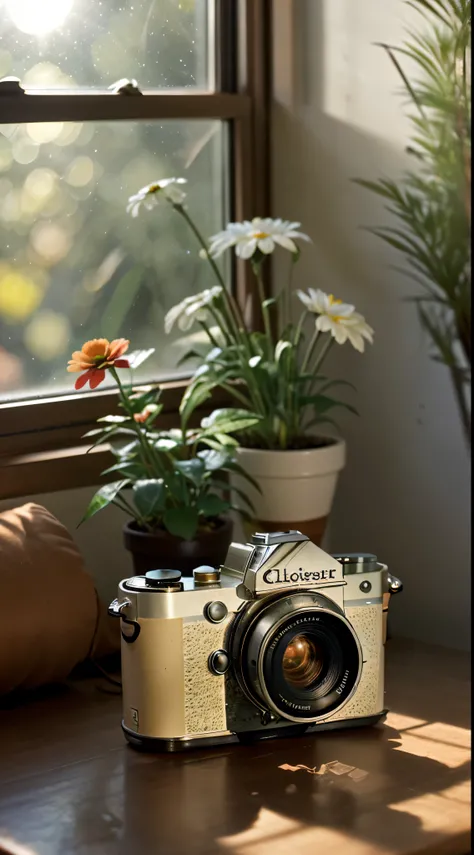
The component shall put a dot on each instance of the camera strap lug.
(116, 609)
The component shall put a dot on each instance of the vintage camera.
(282, 639)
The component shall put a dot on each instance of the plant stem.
(209, 334)
(148, 455)
(299, 328)
(323, 353)
(257, 269)
(234, 308)
(238, 395)
(309, 352)
(121, 503)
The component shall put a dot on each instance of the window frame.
(40, 439)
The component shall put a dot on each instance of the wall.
(405, 493)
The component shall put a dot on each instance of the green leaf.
(166, 443)
(214, 444)
(127, 450)
(178, 488)
(114, 420)
(236, 467)
(229, 420)
(323, 403)
(214, 460)
(211, 505)
(269, 302)
(181, 522)
(149, 496)
(190, 354)
(103, 437)
(128, 470)
(194, 396)
(331, 383)
(224, 439)
(104, 497)
(193, 469)
(280, 349)
(224, 485)
(96, 432)
(214, 354)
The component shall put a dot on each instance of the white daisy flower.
(338, 318)
(258, 234)
(320, 303)
(194, 308)
(355, 329)
(167, 189)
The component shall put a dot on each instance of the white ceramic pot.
(297, 487)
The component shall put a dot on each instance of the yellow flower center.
(260, 235)
(333, 301)
(153, 188)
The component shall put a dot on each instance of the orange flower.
(95, 357)
(142, 417)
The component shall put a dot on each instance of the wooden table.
(70, 785)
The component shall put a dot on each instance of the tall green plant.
(432, 202)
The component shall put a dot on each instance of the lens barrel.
(297, 655)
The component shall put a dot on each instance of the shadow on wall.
(405, 493)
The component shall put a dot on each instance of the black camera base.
(152, 745)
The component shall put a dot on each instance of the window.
(74, 144)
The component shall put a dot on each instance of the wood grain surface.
(69, 785)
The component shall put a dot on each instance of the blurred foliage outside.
(73, 264)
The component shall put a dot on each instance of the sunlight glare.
(38, 17)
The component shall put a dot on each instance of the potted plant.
(276, 374)
(172, 484)
(432, 202)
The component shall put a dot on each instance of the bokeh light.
(51, 242)
(19, 295)
(47, 335)
(38, 17)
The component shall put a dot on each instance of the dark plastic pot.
(160, 550)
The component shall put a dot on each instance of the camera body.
(282, 639)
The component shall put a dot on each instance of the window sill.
(50, 471)
(47, 457)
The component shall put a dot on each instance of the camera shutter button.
(215, 612)
(218, 662)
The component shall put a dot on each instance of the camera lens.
(296, 655)
(302, 662)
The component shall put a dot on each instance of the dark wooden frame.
(40, 440)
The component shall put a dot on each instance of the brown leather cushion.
(51, 618)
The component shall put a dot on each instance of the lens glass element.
(302, 662)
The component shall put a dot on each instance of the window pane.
(74, 265)
(64, 43)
